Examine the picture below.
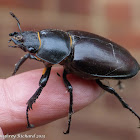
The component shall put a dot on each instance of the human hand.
(53, 103)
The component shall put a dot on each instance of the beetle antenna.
(18, 23)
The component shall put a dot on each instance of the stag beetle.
(85, 54)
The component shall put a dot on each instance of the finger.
(53, 103)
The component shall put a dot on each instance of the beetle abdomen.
(99, 57)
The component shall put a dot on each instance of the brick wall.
(117, 20)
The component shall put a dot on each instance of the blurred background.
(119, 21)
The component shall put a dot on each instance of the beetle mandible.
(81, 53)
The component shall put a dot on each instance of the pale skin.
(52, 104)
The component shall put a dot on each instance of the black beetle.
(85, 54)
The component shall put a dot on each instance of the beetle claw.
(67, 132)
(30, 107)
(30, 126)
(30, 103)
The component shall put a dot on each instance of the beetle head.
(27, 41)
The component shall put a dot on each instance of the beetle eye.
(19, 38)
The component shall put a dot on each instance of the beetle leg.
(70, 89)
(112, 91)
(42, 84)
(20, 62)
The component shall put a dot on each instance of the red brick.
(119, 28)
(35, 4)
(75, 6)
(118, 12)
(128, 39)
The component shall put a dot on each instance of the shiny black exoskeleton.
(85, 54)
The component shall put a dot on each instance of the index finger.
(53, 103)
